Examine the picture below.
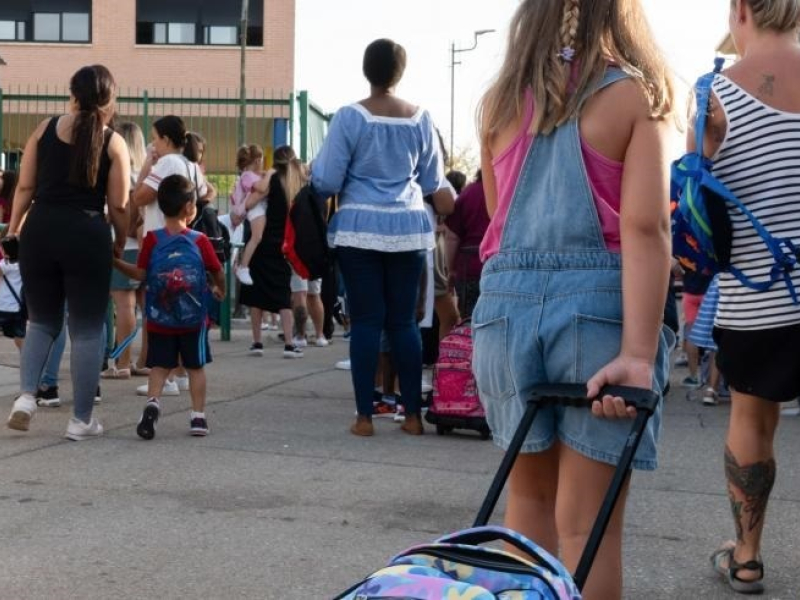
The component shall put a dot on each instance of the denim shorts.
(540, 326)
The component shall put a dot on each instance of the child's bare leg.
(197, 389)
(256, 317)
(155, 381)
(256, 233)
(713, 372)
(18, 343)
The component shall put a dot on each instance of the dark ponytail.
(195, 146)
(93, 90)
(174, 129)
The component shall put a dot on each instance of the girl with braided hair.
(577, 257)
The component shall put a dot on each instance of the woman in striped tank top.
(754, 139)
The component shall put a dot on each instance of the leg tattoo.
(300, 319)
(753, 484)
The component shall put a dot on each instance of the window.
(180, 33)
(201, 22)
(46, 27)
(46, 21)
(12, 31)
(75, 27)
(216, 35)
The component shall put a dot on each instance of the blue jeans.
(53, 364)
(382, 290)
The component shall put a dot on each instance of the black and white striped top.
(759, 161)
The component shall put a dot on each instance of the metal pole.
(242, 91)
(452, 98)
(453, 63)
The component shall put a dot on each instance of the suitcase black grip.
(574, 394)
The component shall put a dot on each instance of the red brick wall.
(269, 68)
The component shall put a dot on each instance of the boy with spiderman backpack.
(175, 261)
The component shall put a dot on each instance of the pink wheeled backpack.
(456, 404)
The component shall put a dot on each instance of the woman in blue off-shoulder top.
(381, 156)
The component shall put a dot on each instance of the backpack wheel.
(486, 433)
(443, 429)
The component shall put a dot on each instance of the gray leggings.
(65, 257)
(87, 347)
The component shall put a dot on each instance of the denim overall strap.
(552, 209)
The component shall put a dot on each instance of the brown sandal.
(362, 427)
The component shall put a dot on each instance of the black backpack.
(206, 222)
(305, 241)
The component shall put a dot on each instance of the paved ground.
(279, 502)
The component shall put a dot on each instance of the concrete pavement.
(280, 502)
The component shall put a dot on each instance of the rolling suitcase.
(455, 403)
(457, 565)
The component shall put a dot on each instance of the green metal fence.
(271, 119)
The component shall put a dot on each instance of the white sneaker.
(300, 342)
(791, 409)
(243, 275)
(170, 389)
(322, 342)
(22, 412)
(78, 431)
(343, 365)
(183, 383)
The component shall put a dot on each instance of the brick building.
(167, 56)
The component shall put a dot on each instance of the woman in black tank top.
(72, 168)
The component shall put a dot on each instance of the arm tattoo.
(767, 88)
(753, 484)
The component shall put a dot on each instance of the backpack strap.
(192, 234)
(783, 250)
(161, 235)
(13, 292)
(703, 96)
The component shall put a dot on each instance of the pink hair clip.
(567, 54)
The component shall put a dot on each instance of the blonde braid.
(569, 29)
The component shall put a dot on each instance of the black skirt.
(271, 275)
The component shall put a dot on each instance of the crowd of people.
(560, 243)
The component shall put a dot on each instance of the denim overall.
(550, 308)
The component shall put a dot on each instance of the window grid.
(49, 27)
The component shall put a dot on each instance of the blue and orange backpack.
(701, 226)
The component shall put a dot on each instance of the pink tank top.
(605, 181)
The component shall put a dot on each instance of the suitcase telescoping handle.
(572, 394)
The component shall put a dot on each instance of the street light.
(453, 63)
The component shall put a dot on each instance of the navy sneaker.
(198, 426)
(146, 429)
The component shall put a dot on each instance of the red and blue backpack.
(701, 226)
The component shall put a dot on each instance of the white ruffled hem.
(382, 243)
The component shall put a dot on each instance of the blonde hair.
(776, 15)
(291, 170)
(546, 36)
(247, 155)
(134, 138)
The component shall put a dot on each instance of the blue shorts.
(550, 326)
(163, 349)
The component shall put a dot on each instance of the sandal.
(723, 563)
(115, 373)
(139, 371)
